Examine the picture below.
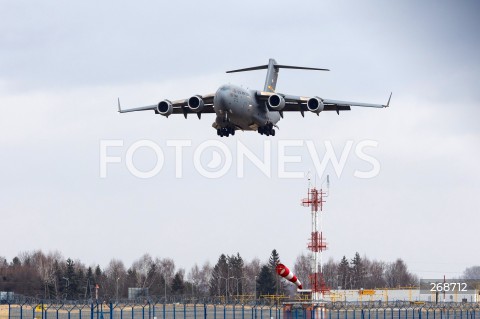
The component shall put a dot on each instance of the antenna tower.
(316, 244)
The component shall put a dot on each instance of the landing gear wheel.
(225, 131)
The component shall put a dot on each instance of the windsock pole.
(284, 272)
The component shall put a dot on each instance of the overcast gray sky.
(63, 64)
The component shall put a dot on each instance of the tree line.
(51, 276)
(360, 273)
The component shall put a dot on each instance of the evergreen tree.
(81, 283)
(100, 280)
(90, 284)
(265, 281)
(153, 277)
(273, 261)
(178, 285)
(71, 279)
(98, 274)
(344, 273)
(16, 262)
(358, 272)
(219, 273)
(236, 268)
(60, 283)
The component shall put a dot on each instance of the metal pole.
(68, 284)
(226, 290)
(255, 290)
(239, 280)
(117, 290)
(237, 285)
(226, 286)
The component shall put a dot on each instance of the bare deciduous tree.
(302, 270)
(375, 274)
(472, 273)
(115, 278)
(252, 269)
(397, 275)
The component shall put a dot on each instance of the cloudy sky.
(63, 65)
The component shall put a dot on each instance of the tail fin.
(272, 72)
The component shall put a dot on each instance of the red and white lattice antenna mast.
(316, 244)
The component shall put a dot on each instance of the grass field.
(3, 311)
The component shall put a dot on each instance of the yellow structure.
(275, 298)
(40, 307)
(366, 292)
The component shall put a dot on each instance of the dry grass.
(3, 311)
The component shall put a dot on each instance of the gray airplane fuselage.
(239, 108)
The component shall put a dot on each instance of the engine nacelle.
(276, 102)
(315, 105)
(165, 108)
(195, 104)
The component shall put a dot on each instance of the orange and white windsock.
(283, 271)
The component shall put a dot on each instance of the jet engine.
(276, 102)
(165, 108)
(195, 104)
(315, 105)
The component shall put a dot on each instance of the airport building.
(403, 294)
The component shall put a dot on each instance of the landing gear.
(267, 130)
(225, 131)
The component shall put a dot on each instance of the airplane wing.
(299, 103)
(178, 106)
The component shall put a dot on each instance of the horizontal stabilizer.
(298, 67)
(253, 68)
(276, 66)
(272, 72)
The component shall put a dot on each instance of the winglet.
(388, 103)
(119, 108)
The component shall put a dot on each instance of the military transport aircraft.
(237, 108)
